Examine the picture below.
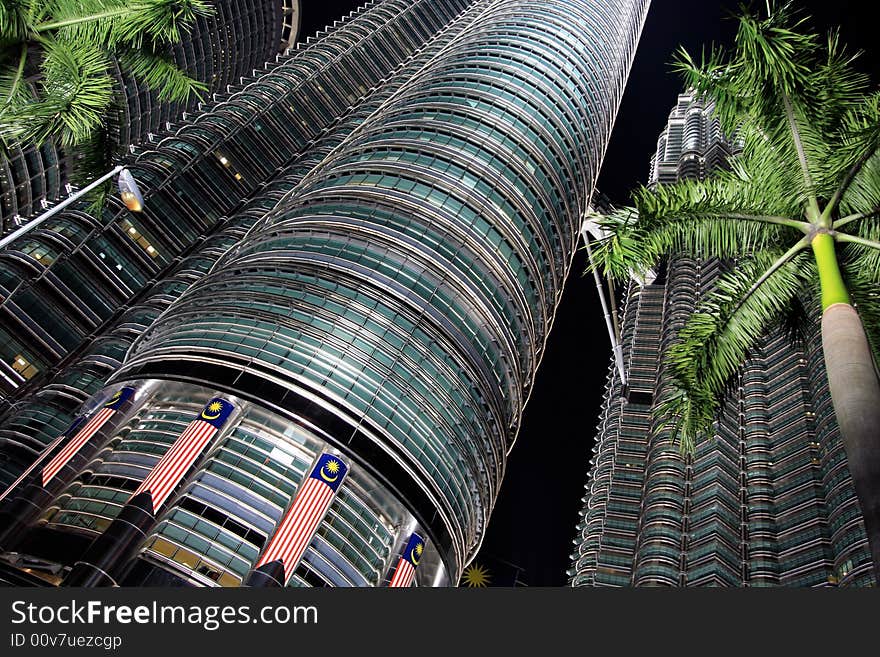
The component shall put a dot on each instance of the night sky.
(533, 522)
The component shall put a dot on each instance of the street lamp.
(588, 227)
(128, 191)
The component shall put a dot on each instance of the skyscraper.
(767, 500)
(237, 37)
(391, 213)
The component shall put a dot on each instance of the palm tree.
(57, 59)
(798, 216)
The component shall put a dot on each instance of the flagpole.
(113, 552)
(299, 522)
(57, 465)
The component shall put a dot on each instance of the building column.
(110, 554)
(57, 465)
(293, 534)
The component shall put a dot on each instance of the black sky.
(533, 522)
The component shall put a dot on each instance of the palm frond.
(622, 252)
(857, 143)
(770, 55)
(715, 340)
(864, 258)
(835, 85)
(92, 158)
(161, 75)
(798, 321)
(14, 97)
(862, 194)
(810, 137)
(72, 45)
(763, 176)
(13, 86)
(73, 93)
(793, 90)
(688, 414)
(725, 216)
(84, 21)
(162, 21)
(77, 83)
(13, 21)
(96, 200)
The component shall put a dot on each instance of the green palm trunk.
(855, 391)
(833, 288)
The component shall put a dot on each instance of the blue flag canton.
(330, 470)
(117, 400)
(75, 426)
(216, 412)
(414, 549)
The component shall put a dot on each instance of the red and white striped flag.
(33, 466)
(405, 572)
(180, 457)
(297, 528)
(82, 437)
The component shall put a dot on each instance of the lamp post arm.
(612, 334)
(55, 210)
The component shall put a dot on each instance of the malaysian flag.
(77, 423)
(176, 462)
(91, 427)
(405, 572)
(296, 529)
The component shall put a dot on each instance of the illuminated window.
(228, 579)
(135, 235)
(42, 257)
(24, 367)
(227, 164)
(39, 253)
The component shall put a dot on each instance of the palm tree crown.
(809, 171)
(69, 48)
(797, 215)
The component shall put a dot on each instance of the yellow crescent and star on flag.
(330, 469)
(414, 549)
(119, 397)
(416, 554)
(216, 411)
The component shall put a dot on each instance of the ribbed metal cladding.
(39, 417)
(36, 420)
(220, 49)
(239, 36)
(29, 177)
(337, 556)
(78, 269)
(407, 285)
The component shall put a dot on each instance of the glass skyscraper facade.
(767, 500)
(346, 267)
